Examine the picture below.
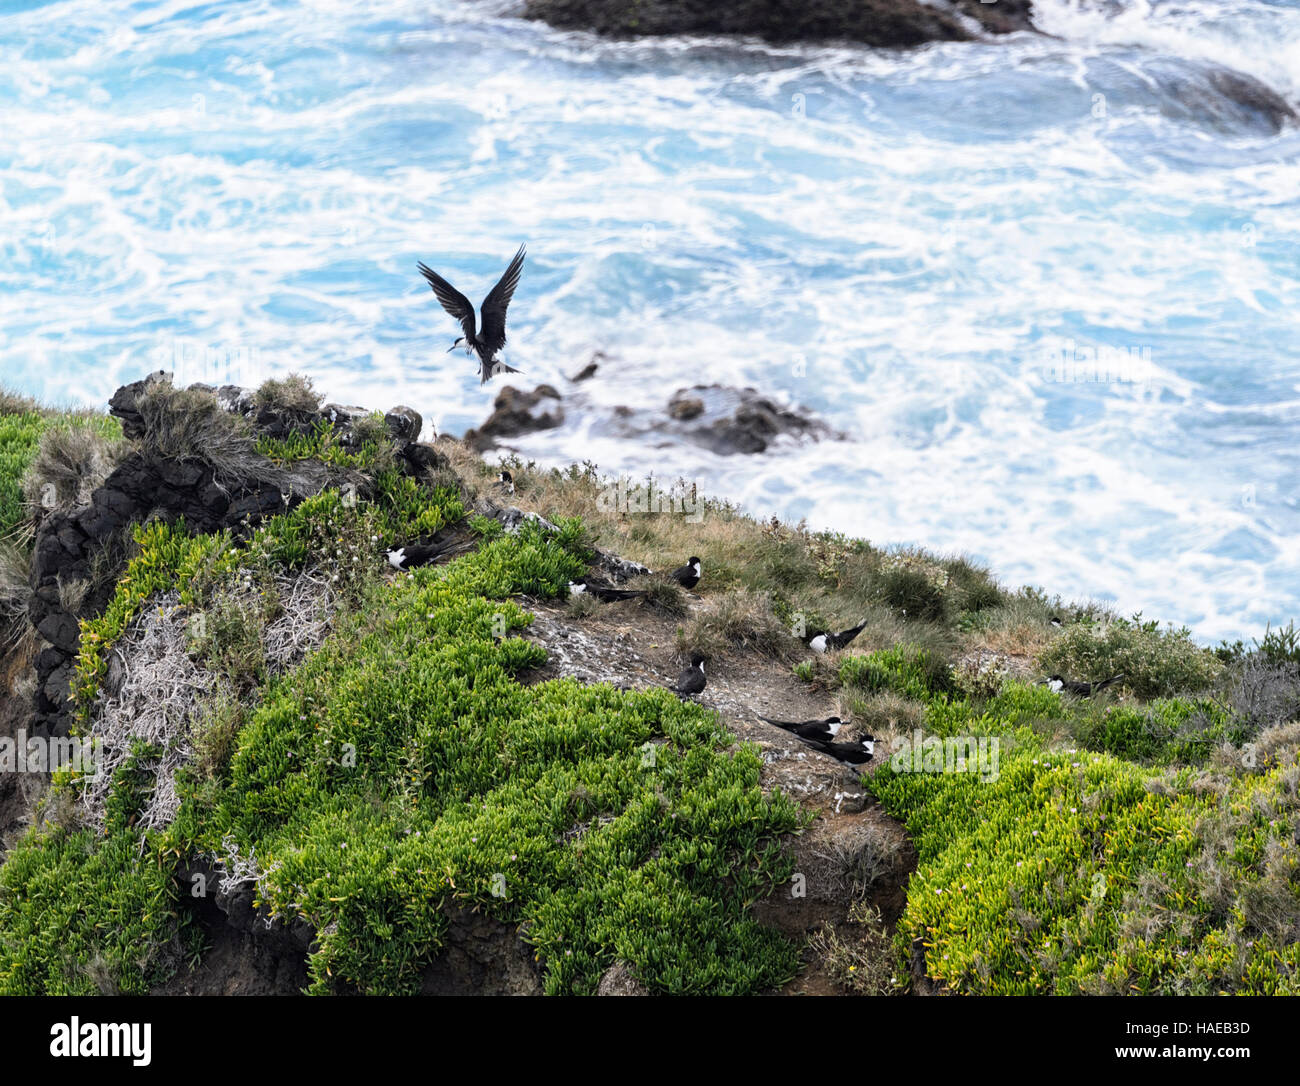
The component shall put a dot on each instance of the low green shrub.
(402, 769)
(1155, 662)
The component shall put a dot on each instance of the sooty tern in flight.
(486, 342)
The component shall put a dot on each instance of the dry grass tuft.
(71, 463)
(15, 594)
(858, 955)
(738, 622)
(180, 672)
(293, 393)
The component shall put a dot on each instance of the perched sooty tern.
(691, 681)
(1079, 689)
(688, 576)
(854, 753)
(486, 343)
(825, 730)
(606, 593)
(416, 554)
(825, 642)
(506, 481)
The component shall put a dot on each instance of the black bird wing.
(613, 595)
(852, 753)
(690, 681)
(452, 300)
(494, 306)
(844, 637)
(805, 729)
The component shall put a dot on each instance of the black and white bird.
(691, 681)
(824, 730)
(688, 576)
(1080, 689)
(853, 753)
(416, 554)
(506, 481)
(483, 342)
(823, 642)
(606, 593)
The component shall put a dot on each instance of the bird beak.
(451, 348)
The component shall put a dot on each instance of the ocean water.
(1047, 286)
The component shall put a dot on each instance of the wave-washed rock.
(873, 22)
(727, 421)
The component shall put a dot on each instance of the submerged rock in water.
(515, 413)
(728, 421)
(1203, 93)
(873, 22)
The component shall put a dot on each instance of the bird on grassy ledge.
(691, 681)
(606, 593)
(824, 730)
(1080, 689)
(688, 576)
(506, 481)
(824, 642)
(484, 342)
(411, 556)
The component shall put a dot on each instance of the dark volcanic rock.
(423, 457)
(123, 403)
(515, 413)
(873, 22)
(1234, 100)
(683, 407)
(404, 423)
(70, 542)
(730, 421)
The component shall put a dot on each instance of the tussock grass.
(737, 623)
(294, 394)
(15, 594)
(189, 424)
(72, 461)
(24, 429)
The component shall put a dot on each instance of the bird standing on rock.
(485, 342)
